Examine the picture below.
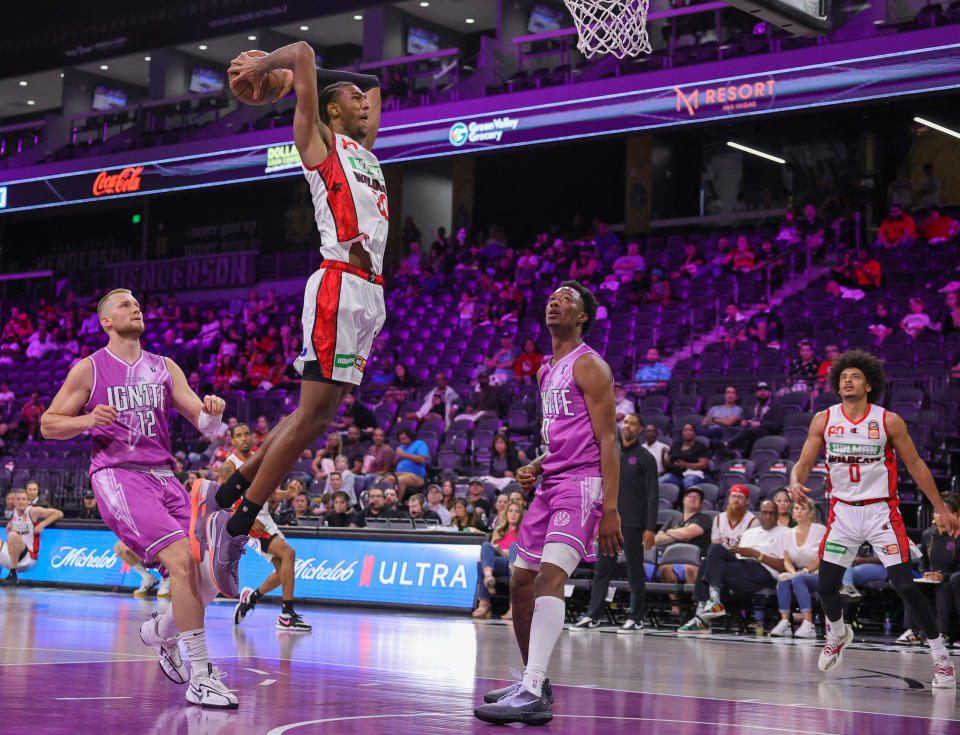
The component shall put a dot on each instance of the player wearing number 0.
(575, 504)
(343, 307)
(122, 395)
(861, 442)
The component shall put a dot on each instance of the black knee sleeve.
(830, 581)
(901, 577)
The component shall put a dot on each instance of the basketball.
(243, 90)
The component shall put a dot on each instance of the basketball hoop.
(617, 27)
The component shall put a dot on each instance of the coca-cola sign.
(83, 558)
(124, 182)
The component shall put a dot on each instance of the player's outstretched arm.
(808, 455)
(596, 381)
(205, 414)
(61, 420)
(47, 517)
(903, 445)
(373, 122)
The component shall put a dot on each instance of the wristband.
(208, 422)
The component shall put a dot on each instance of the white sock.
(545, 629)
(714, 595)
(142, 571)
(837, 628)
(195, 641)
(166, 625)
(937, 647)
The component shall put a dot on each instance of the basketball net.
(617, 27)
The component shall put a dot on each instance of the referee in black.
(638, 504)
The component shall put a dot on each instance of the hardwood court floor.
(72, 662)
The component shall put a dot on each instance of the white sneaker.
(850, 592)
(585, 623)
(208, 690)
(830, 655)
(908, 638)
(145, 586)
(164, 589)
(781, 629)
(167, 650)
(943, 676)
(806, 630)
(631, 626)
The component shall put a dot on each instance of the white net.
(617, 27)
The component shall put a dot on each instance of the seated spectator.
(376, 506)
(466, 308)
(476, 496)
(189, 324)
(687, 464)
(438, 403)
(466, 520)
(482, 400)
(34, 496)
(652, 376)
(448, 493)
(391, 501)
(836, 292)
(584, 267)
(784, 503)
(881, 323)
(355, 449)
(897, 229)
(89, 510)
(377, 461)
(810, 227)
(226, 374)
(866, 567)
(435, 503)
(728, 414)
(412, 456)
(210, 331)
(805, 366)
(496, 559)
(30, 415)
(402, 386)
(730, 525)
(939, 228)
(693, 262)
(823, 372)
(734, 325)
(527, 364)
(301, 507)
(917, 320)
(622, 404)
(751, 565)
(788, 234)
(742, 258)
(500, 504)
(626, 266)
(257, 371)
(325, 460)
(171, 310)
(765, 327)
(417, 509)
(948, 320)
(341, 515)
(801, 559)
(867, 272)
(502, 361)
(8, 511)
(659, 291)
(693, 528)
(341, 481)
(504, 462)
(652, 443)
(606, 242)
(40, 344)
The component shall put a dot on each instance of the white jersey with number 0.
(861, 464)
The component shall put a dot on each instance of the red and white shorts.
(879, 524)
(343, 310)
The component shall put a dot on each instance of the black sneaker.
(10, 580)
(498, 694)
(520, 706)
(293, 622)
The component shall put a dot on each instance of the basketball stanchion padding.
(617, 27)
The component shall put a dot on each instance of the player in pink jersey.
(861, 439)
(575, 503)
(122, 395)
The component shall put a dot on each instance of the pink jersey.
(566, 430)
(141, 393)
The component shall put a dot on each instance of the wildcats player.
(862, 441)
(122, 396)
(576, 500)
(20, 552)
(343, 308)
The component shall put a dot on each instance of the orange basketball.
(243, 90)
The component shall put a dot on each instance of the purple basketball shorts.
(565, 511)
(147, 511)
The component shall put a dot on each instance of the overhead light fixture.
(61, 75)
(202, 47)
(251, 38)
(146, 58)
(31, 102)
(469, 20)
(23, 82)
(358, 17)
(755, 152)
(103, 67)
(424, 4)
(304, 28)
(929, 124)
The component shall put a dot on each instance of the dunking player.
(861, 440)
(577, 498)
(20, 552)
(343, 306)
(122, 396)
(267, 540)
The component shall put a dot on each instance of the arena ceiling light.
(469, 20)
(251, 38)
(146, 58)
(304, 28)
(358, 17)
(424, 4)
(202, 47)
(933, 125)
(755, 152)
(104, 67)
(31, 102)
(23, 82)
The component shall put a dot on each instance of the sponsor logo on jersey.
(344, 361)
(890, 549)
(359, 363)
(862, 450)
(835, 430)
(873, 430)
(835, 548)
(561, 519)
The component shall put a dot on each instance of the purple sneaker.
(203, 504)
(223, 553)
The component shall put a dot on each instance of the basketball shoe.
(496, 695)
(711, 609)
(520, 705)
(146, 586)
(208, 690)
(223, 553)
(943, 676)
(168, 651)
(631, 626)
(292, 621)
(164, 589)
(585, 623)
(244, 607)
(695, 626)
(833, 650)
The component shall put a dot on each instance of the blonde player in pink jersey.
(575, 503)
(343, 308)
(862, 440)
(122, 395)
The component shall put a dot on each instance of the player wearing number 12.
(861, 441)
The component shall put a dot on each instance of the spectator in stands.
(8, 511)
(476, 496)
(466, 308)
(40, 344)
(866, 567)
(500, 504)
(693, 261)
(659, 291)
(752, 426)
(867, 272)
(806, 365)
(882, 322)
(527, 364)
(171, 310)
(226, 374)
(900, 191)
(448, 493)
(378, 459)
(391, 500)
(626, 266)
(6, 398)
(418, 511)
(810, 227)
(823, 372)
(765, 327)
(464, 519)
(742, 258)
(784, 503)
(897, 229)
(505, 460)
(19, 328)
(483, 399)
(584, 268)
(751, 565)
(341, 515)
(789, 233)
(30, 415)
(325, 461)
(496, 559)
(89, 510)
(503, 359)
(376, 507)
(257, 371)
(438, 403)
(728, 414)
(948, 320)
(917, 320)
(341, 480)
(939, 228)
(927, 192)
(801, 558)
(687, 464)
(435, 503)
(653, 375)
(606, 242)
(692, 528)
(622, 403)
(402, 386)
(355, 449)
(652, 443)
(412, 456)
(734, 325)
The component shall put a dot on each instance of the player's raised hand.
(527, 477)
(214, 405)
(949, 520)
(609, 535)
(799, 492)
(101, 415)
(247, 68)
(286, 86)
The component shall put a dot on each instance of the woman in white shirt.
(801, 557)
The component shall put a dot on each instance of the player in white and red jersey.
(343, 309)
(861, 441)
(20, 551)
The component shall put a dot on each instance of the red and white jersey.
(350, 202)
(24, 524)
(235, 460)
(861, 464)
(726, 533)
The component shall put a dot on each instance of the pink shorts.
(566, 512)
(147, 511)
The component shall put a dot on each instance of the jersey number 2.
(854, 473)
